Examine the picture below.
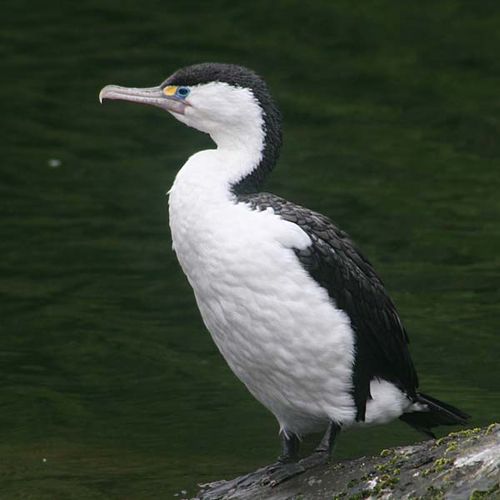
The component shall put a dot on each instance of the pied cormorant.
(294, 307)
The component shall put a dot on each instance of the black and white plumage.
(334, 261)
(297, 311)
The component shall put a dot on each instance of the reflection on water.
(111, 388)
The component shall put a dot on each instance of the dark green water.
(110, 387)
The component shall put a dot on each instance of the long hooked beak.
(152, 95)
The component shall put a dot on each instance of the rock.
(462, 465)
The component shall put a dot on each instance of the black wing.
(338, 266)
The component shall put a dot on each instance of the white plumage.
(278, 330)
(298, 313)
(276, 327)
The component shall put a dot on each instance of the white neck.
(234, 120)
(239, 151)
(212, 173)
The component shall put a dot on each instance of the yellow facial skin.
(170, 90)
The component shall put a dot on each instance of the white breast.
(277, 329)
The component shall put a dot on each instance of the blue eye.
(182, 92)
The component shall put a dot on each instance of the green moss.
(360, 495)
(367, 476)
(451, 447)
(352, 483)
(385, 482)
(434, 493)
(486, 494)
(490, 428)
(441, 464)
(438, 466)
(466, 432)
(441, 441)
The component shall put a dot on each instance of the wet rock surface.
(462, 465)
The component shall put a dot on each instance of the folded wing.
(337, 265)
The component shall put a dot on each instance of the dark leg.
(327, 444)
(321, 455)
(325, 448)
(286, 467)
(290, 447)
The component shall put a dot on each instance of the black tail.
(438, 413)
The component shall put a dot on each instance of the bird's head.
(229, 102)
(223, 100)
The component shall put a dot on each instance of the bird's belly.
(277, 329)
(296, 367)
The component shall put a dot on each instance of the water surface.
(111, 388)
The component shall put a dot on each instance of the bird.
(294, 307)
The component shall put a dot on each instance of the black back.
(337, 265)
(240, 76)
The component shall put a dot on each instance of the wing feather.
(336, 264)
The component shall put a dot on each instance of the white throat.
(239, 150)
(234, 120)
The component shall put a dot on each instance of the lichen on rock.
(462, 465)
